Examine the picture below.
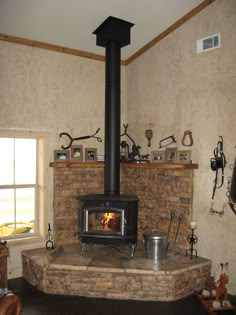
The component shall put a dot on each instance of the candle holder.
(49, 243)
(192, 239)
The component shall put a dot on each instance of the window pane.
(25, 210)
(7, 161)
(25, 161)
(6, 211)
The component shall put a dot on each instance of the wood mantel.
(173, 166)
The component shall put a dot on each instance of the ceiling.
(70, 23)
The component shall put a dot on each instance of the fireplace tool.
(177, 232)
(79, 138)
(172, 214)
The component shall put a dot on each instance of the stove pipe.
(113, 34)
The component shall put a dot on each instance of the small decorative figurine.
(221, 281)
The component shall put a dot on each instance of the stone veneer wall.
(160, 191)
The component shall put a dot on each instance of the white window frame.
(42, 202)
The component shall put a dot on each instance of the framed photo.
(76, 152)
(157, 156)
(170, 155)
(183, 156)
(61, 155)
(90, 154)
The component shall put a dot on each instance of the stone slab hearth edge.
(109, 272)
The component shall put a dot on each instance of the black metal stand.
(192, 239)
(49, 242)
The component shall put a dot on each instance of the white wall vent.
(208, 43)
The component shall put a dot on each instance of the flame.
(106, 219)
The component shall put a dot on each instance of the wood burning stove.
(121, 210)
(108, 220)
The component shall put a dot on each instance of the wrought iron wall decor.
(231, 188)
(218, 163)
(71, 139)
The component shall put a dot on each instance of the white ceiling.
(70, 23)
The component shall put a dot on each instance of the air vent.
(208, 43)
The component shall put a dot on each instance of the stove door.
(104, 221)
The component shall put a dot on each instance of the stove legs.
(132, 248)
(82, 248)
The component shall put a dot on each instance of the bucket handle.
(155, 230)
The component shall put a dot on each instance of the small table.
(4, 253)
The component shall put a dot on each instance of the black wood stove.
(110, 218)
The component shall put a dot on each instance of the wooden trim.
(64, 50)
(169, 30)
(171, 166)
(80, 53)
(37, 44)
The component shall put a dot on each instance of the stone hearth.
(109, 272)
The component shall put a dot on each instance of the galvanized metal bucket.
(155, 243)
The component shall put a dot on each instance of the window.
(20, 194)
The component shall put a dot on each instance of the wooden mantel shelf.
(171, 166)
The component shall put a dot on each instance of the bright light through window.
(18, 186)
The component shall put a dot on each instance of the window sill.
(25, 241)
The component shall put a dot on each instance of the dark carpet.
(35, 303)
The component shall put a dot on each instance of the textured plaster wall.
(45, 90)
(176, 89)
(170, 86)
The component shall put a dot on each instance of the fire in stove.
(110, 222)
(104, 220)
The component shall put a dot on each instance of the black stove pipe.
(112, 119)
(112, 34)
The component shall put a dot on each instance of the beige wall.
(176, 89)
(44, 90)
(170, 86)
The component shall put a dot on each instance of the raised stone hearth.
(109, 272)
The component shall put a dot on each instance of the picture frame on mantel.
(183, 156)
(61, 155)
(76, 153)
(170, 155)
(157, 156)
(90, 154)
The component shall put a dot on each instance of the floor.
(38, 303)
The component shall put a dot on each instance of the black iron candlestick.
(49, 243)
(192, 239)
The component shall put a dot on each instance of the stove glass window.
(105, 220)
